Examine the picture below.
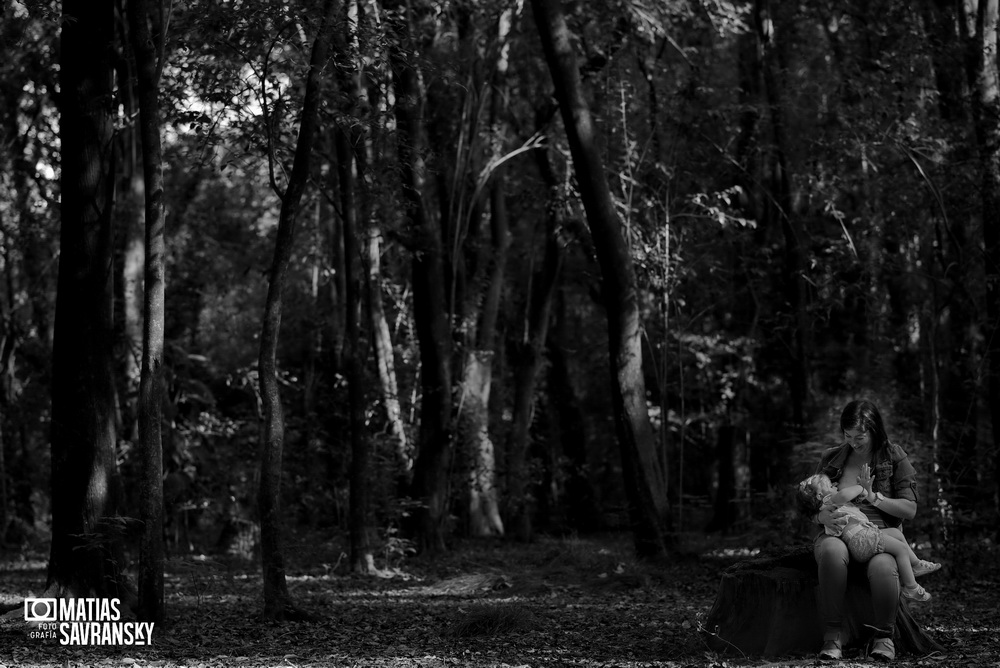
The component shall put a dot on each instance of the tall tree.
(429, 486)
(371, 110)
(644, 483)
(86, 555)
(490, 260)
(986, 115)
(529, 357)
(354, 353)
(779, 210)
(277, 602)
(147, 41)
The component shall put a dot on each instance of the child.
(864, 540)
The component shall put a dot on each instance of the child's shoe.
(923, 567)
(915, 593)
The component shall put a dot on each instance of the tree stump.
(766, 606)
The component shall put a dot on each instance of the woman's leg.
(883, 580)
(831, 560)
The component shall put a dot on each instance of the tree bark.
(151, 383)
(779, 187)
(529, 358)
(372, 255)
(86, 554)
(483, 506)
(434, 445)
(644, 481)
(986, 114)
(385, 358)
(361, 553)
(570, 427)
(277, 602)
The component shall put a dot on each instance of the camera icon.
(40, 609)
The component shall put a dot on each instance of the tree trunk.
(361, 553)
(644, 481)
(277, 602)
(434, 446)
(86, 553)
(570, 427)
(385, 358)
(3, 459)
(986, 112)
(151, 383)
(483, 507)
(941, 21)
(529, 358)
(372, 260)
(733, 487)
(779, 187)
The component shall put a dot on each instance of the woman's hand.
(865, 479)
(832, 518)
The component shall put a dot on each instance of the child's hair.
(808, 497)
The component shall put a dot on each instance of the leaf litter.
(490, 603)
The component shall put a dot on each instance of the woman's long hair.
(863, 414)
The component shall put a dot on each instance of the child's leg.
(901, 552)
(896, 533)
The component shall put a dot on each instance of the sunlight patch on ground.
(24, 565)
(731, 552)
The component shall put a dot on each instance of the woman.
(895, 500)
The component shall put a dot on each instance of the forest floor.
(556, 602)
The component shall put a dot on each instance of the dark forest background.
(411, 272)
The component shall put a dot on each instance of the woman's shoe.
(883, 648)
(831, 650)
(915, 593)
(924, 567)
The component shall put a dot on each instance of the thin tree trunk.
(570, 426)
(529, 359)
(144, 45)
(644, 482)
(3, 461)
(781, 204)
(384, 357)
(483, 506)
(86, 553)
(361, 553)
(986, 113)
(372, 256)
(434, 445)
(277, 602)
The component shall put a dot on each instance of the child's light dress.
(863, 538)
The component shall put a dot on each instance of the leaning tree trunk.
(644, 482)
(429, 485)
(140, 13)
(277, 602)
(86, 555)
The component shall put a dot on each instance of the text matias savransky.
(84, 621)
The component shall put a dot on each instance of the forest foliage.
(804, 191)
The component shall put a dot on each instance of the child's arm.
(846, 495)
